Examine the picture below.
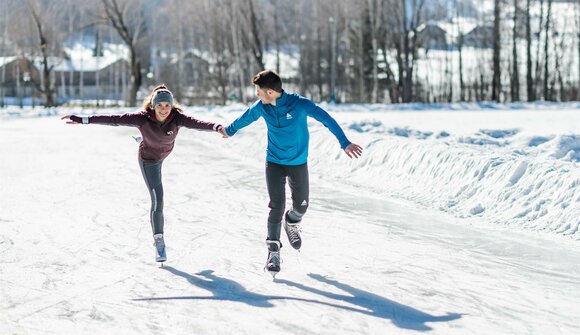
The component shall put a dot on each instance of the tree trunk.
(531, 91)
(538, 42)
(237, 53)
(136, 78)
(515, 89)
(46, 88)
(374, 12)
(361, 63)
(496, 82)
(318, 63)
(407, 91)
(391, 84)
(276, 35)
(547, 94)
(409, 45)
(4, 39)
(115, 16)
(461, 80)
(180, 90)
(578, 38)
(256, 42)
(333, 38)
(558, 51)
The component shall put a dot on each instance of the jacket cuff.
(345, 144)
(79, 119)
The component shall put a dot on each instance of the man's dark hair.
(268, 79)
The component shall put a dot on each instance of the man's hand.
(222, 130)
(353, 150)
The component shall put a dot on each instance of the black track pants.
(152, 175)
(276, 175)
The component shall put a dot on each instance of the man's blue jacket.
(288, 134)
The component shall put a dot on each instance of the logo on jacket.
(288, 116)
(169, 133)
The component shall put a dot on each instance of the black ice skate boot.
(273, 261)
(293, 231)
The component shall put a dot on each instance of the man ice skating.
(286, 155)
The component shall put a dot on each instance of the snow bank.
(535, 187)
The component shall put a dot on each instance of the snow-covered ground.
(458, 219)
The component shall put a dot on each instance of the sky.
(458, 219)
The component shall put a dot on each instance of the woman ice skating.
(159, 123)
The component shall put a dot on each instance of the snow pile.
(501, 185)
(485, 174)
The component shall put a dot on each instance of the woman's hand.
(222, 131)
(70, 121)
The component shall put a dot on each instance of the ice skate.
(293, 231)
(273, 261)
(159, 244)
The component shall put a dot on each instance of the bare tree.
(547, 94)
(254, 37)
(558, 51)
(363, 29)
(460, 51)
(47, 45)
(3, 50)
(236, 43)
(405, 23)
(496, 82)
(538, 49)
(129, 22)
(276, 33)
(333, 39)
(531, 91)
(223, 58)
(386, 44)
(578, 41)
(375, 14)
(515, 79)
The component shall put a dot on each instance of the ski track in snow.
(77, 255)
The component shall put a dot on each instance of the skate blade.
(273, 274)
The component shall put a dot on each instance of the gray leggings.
(152, 175)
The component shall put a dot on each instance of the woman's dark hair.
(268, 79)
(147, 102)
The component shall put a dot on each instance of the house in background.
(81, 76)
(479, 37)
(16, 76)
(91, 76)
(432, 36)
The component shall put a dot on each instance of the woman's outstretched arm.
(129, 119)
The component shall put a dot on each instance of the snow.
(81, 58)
(458, 219)
(6, 60)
